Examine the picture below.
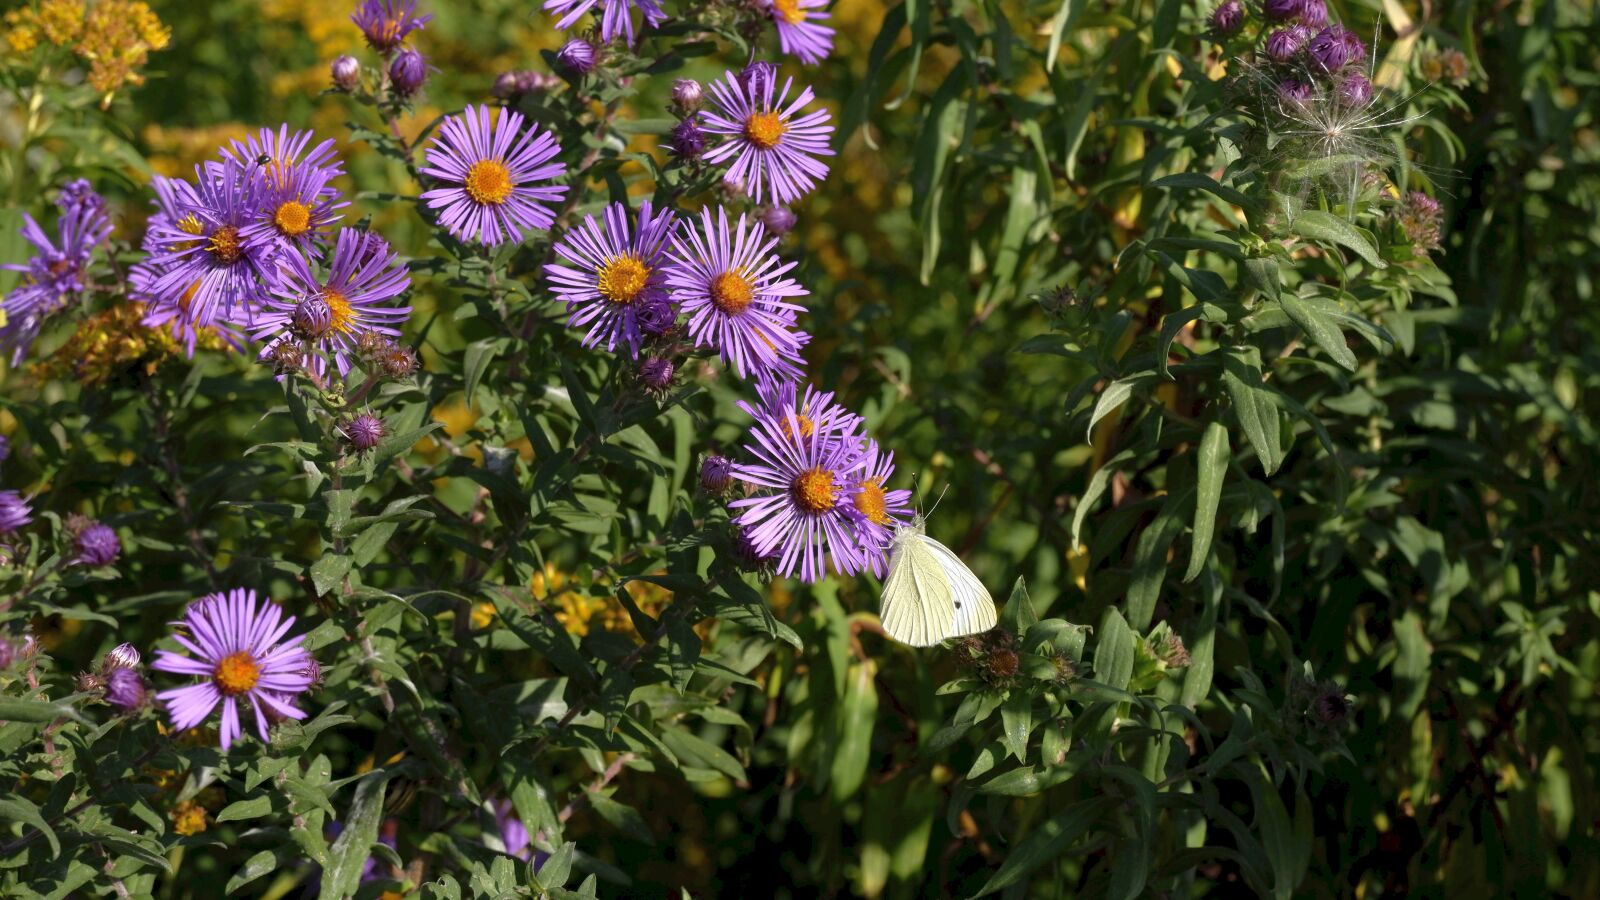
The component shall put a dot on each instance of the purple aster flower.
(59, 269)
(237, 646)
(688, 139)
(122, 656)
(363, 276)
(1335, 47)
(408, 72)
(616, 16)
(14, 512)
(1227, 17)
(878, 511)
(364, 432)
(1355, 90)
(716, 474)
(1283, 44)
(731, 285)
(386, 23)
(97, 545)
(1293, 90)
(616, 284)
(492, 172)
(778, 398)
(205, 265)
(806, 513)
(773, 152)
(346, 73)
(578, 55)
(297, 209)
(778, 219)
(686, 94)
(276, 156)
(800, 31)
(126, 690)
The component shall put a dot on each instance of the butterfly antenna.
(937, 499)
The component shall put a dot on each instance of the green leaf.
(1201, 644)
(624, 818)
(1317, 225)
(1150, 559)
(37, 711)
(350, 850)
(1113, 657)
(253, 808)
(1262, 274)
(328, 572)
(1046, 841)
(475, 362)
(1323, 331)
(858, 711)
(1018, 614)
(17, 808)
(1016, 722)
(1253, 405)
(1213, 470)
(1115, 394)
(1199, 181)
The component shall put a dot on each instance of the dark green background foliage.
(1165, 382)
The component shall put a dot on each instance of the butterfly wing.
(918, 607)
(972, 607)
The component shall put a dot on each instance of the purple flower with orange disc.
(808, 476)
(237, 646)
(800, 29)
(59, 269)
(386, 23)
(616, 16)
(878, 510)
(617, 280)
(205, 264)
(274, 156)
(773, 147)
(493, 175)
(731, 285)
(335, 310)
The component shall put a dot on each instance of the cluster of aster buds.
(381, 354)
(510, 85)
(408, 71)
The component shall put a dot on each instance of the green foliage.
(1297, 511)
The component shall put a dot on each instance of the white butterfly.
(930, 594)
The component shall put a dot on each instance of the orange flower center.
(237, 673)
(870, 502)
(293, 218)
(764, 129)
(789, 11)
(807, 427)
(731, 293)
(224, 244)
(339, 305)
(489, 181)
(622, 278)
(814, 490)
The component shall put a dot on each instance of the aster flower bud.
(8, 652)
(1172, 653)
(287, 357)
(122, 656)
(658, 315)
(1281, 10)
(312, 318)
(88, 683)
(1227, 17)
(535, 82)
(346, 72)
(578, 55)
(751, 558)
(1330, 708)
(655, 374)
(97, 545)
(1283, 44)
(1355, 90)
(688, 140)
(686, 94)
(716, 474)
(408, 72)
(757, 76)
(1293, 90)
(1335, 47)
(779, 220)
(398, 361)
(1314, 13)
(1002, 664)
(364, 432)
(505, 86)
(126, 690)
(14, 512)
(5, 448)
(312, 670)
(1419, 216)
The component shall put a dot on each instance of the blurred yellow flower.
(113, 342)
(189, 818)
